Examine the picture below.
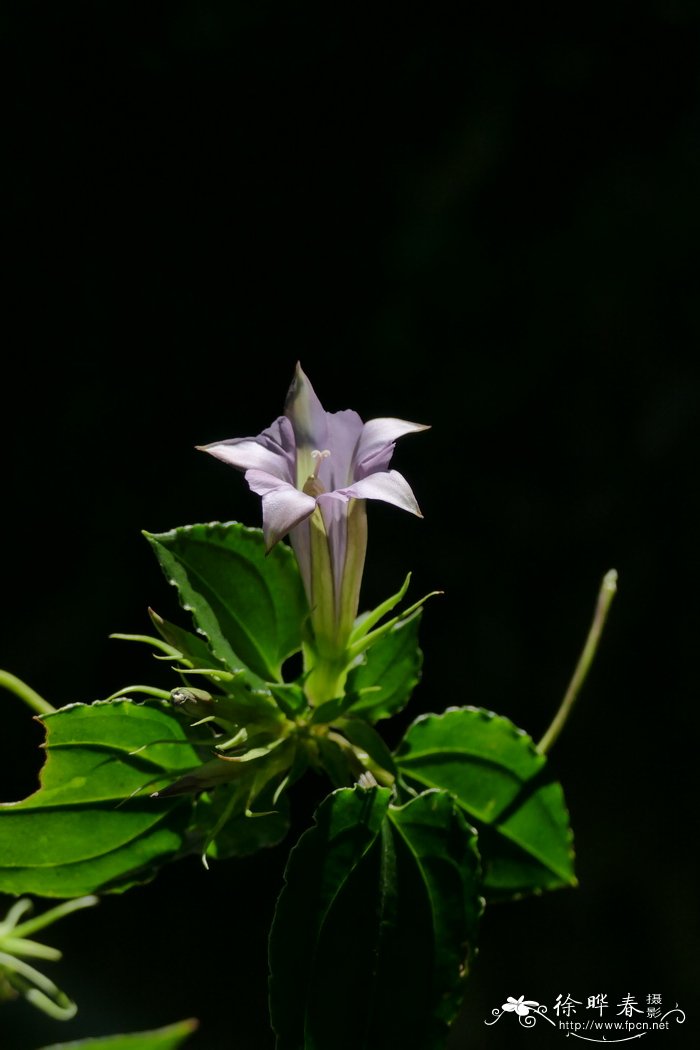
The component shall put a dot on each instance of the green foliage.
(193, 648)
(245, 833)
(374, 924)
(503, 785)
(91, 825)
(369, 742)
(250, 605)
(389, 672)
(169, 1038)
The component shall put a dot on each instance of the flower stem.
(606, 594)
(24, 692)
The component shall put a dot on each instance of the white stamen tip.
(319, 457)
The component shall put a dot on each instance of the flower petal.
(283, 505)
(335, 520)
(309, 420)
(389, 486)
(344, 431)
(378, 435)
(271, 451)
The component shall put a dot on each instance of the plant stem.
(24, 692)
(47, 918)
(606, 594)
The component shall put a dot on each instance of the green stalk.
(606, 594)
(32, 699)
(47, 918)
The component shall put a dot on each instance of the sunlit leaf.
(374, 925)
(504, 786)
(250, 605)
(388, 673)
(169, 1038)
(92, 824)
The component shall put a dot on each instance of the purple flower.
(314, 471)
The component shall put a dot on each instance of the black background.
(484, 220)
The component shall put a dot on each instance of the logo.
(601, 1020)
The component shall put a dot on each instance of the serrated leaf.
(503, 785)
(444, 849)
(390, 669)
(82, 831)
(249, 605)
(169, 1038)
(371, 929)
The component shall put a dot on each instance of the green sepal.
(505, 788)
(368, 640)
(366, 621)
(383, 682)
(374, 925)
(92, 825)
(170, 1038)
(249, 605)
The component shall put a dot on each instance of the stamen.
(319, 457)
(312, 485)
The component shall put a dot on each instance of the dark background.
(487, 221)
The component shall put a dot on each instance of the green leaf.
(504, 786)
(330, 710)
(245, 834)
(290, 699)
(372, 927)
(249, 605)
(390, 669)
(334, 760)
(362, 735)
(92, 825)
(169, 1038)
(444, 850)
(192, 647)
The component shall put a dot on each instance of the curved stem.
(24, 692)
(47, 918)
(38, 989)
(606, 594)
(147, 690)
